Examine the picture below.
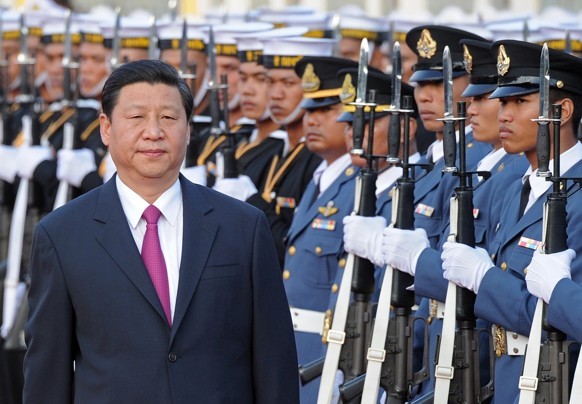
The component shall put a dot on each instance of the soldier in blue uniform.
(498, 279)
(314, 241)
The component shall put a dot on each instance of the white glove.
(363, 237)
(464, 265)
(74, 165)
(402, 248)
(546, 270)
(29, 157)
(196, 174)
(8, 163)
(240, 188)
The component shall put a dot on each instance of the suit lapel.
(117, 240)
(199, 234)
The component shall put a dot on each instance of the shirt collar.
(333, 171)
(169, 203)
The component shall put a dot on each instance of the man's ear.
(567, 112)
(104, 128)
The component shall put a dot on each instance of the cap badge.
(502, 61)
(310, 82)
(426, 46)
(467, 59)
(348, 93)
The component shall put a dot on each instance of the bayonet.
(116, 40)
(360, 103)
(173, 7)
(153, 44)
(394, 130)
(213, 86)
(449, 138)
(67, 60)
(184, 49)
(543, 120)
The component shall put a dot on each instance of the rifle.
(545, 374)
(219, 126)
(391, 350)
(457, 375)
(71, 94)
(12, 285)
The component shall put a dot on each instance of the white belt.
(516, 343)
(307, 320)
(440, 310)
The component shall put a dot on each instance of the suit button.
(286, 274)
(334, 288)
(172, 357)
(342, 263)
(318, 250)
(504, 265)
(292, 250)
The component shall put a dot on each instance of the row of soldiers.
(291, 112)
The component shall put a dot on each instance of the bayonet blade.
(543, 139)
(153, 44)
(396, 75)
(68, 40)
(184, 48)
(116, 40)
(448, 82)
(362, 72)
(212, 57)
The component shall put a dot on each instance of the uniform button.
(504, 265)
(525, 271)
(318, 250)
(342, 263)
(334, 288)
(172, 357)
(493, 256)
(292, 250)
(286, 274)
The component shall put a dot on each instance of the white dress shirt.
(388, 177)
(325, 175)
(170, 227)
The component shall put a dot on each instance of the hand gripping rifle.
(391, 348)
(351, 328)
(70, 70)
(545, 373)
(219, 126)
(457, 376)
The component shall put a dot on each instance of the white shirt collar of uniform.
(333, 171)
(539, 185)
(169, 203)
(388, 177)
(488, 162)
(436, 150)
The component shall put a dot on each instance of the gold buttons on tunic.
(504, 265)
(334, 288)
(318, 250)
(342, 263)
(286, 274)
(292, 250)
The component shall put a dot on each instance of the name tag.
(323, 224)
(424, 210)
(529, 243)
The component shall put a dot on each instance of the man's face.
(430, 98)
(228, 65)
(284, 92)
(54, 53)
(195, 58)
(516, 130)
(483, 114)
(380, 140)
(10, 50)
(324, 136)
(349, 48)
(92, 67)
(253, 90)
(147, 134)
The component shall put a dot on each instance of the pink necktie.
(153, 258)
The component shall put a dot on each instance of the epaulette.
(89, 130)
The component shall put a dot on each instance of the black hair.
(148, 71)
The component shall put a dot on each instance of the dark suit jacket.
(92, 302)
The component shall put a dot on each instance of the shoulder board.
(279, 134)
(89, 103)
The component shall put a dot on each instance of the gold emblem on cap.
(467, 59)
(560, 84)
(310, 82)
(348, 93)
(426, 46)
(503, 61)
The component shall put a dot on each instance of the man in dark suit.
(108, 326)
